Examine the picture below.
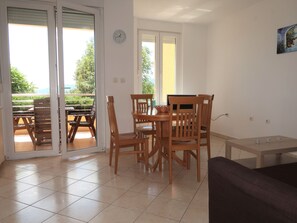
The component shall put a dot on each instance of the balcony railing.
(23, 102)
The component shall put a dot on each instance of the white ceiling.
(188, 11)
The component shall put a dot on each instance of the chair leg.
(160, 158)
(146, 145)
(170, 165)
(75, 129)
(187, 159)
(153, 140)
(198, 164)
(117, 151)
(110, 152)
(208, 145)
(136, 148)
(93, 131)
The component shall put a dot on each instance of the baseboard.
(221, 135)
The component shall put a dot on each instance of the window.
(158, 69)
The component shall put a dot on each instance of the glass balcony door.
(158, 68)
(79, 74)
(48, 74)
(29, 80)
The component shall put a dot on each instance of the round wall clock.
(119, 36)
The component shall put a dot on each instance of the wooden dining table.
(26, 117)
(162, 129)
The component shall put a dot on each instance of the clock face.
(119, 36)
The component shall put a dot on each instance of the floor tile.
(147, 187)
(80, 188)
(8, 207)
(32, 195)
(106, 194)
(4, 181)
(84, 209)
(61, 219)
(57, 183)
(36, 179)
(114, 214)
(150, 218)
(123, 182)
(179, 192)
(13, 188)
(100, 177)
(135, 201)
(167, 208)
(78, 173)
(15, 173)
(56, 202)
(94, 165)
(29, 214)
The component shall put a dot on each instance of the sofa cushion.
(286, 173)
(238, 194)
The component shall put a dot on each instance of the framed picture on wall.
(287, 39)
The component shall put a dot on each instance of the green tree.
(19, 83)
(147, 84)
(85, 71)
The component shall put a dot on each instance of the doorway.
(52, 68)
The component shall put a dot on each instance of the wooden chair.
(206, 120)
(138, 142)
(143, 103)
(83, 119)
(184, 124)
(42, 121)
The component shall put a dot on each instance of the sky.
(29, 52)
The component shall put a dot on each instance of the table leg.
(29, 129)
(260, 160)
(228, 151)
(157, 146)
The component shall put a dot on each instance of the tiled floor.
(86, 190)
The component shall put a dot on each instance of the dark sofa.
(241, 195)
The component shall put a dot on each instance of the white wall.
(119, 59)
(246, 75)
(194, 44)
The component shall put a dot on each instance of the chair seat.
(82, 123)
(146, 129)
(130, 138)
(165, 141)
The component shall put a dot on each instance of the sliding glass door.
(52, 78)
(29, 80)
(79, 72)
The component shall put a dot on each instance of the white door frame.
(100, 135)
(8, 136)
(158, 61)
(5, 66)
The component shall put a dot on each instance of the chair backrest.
(206, 110)
(187, 122)
(93, 112)
(113, 126)
(141, 103)
(42, 118)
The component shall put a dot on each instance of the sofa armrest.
(238, 194)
